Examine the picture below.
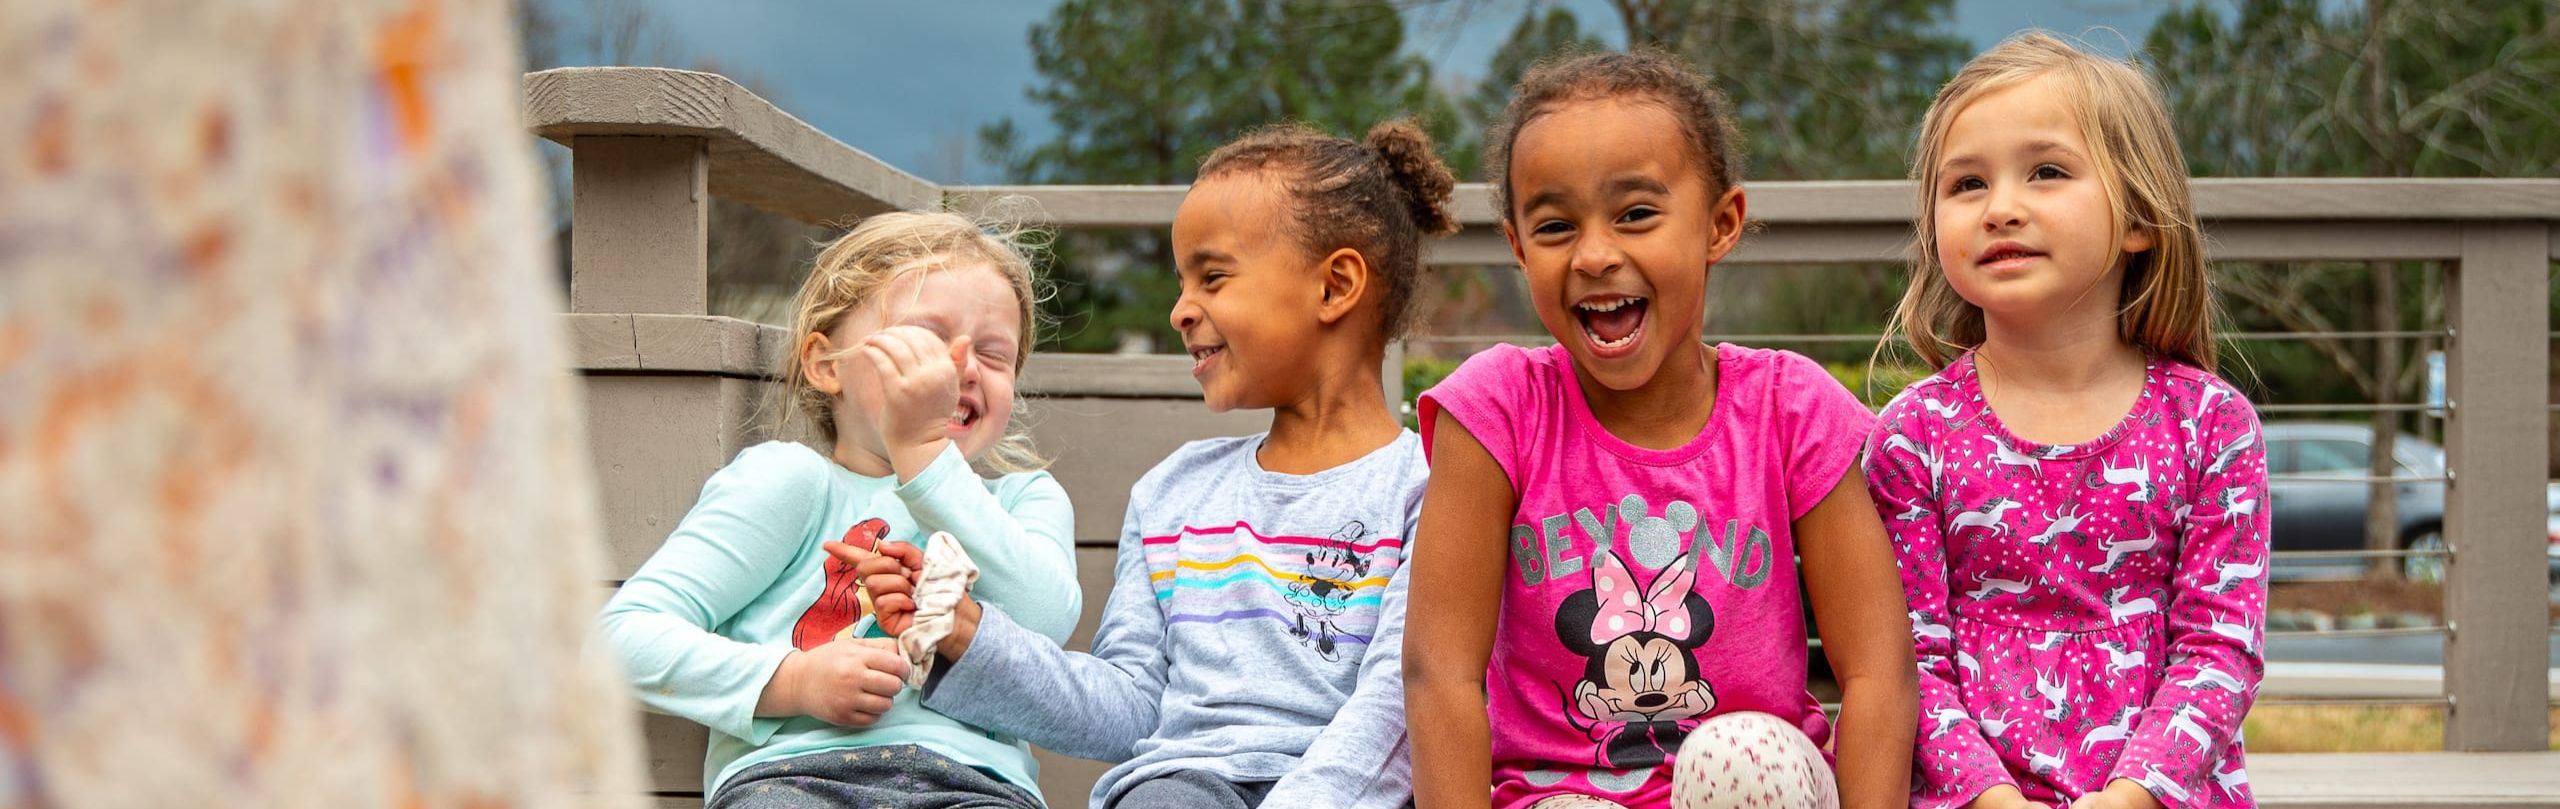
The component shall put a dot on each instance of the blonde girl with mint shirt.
(909, 334)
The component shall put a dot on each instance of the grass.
(2299, 728)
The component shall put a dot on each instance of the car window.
(2319, 456)
(2280, 456)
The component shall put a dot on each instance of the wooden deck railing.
(672, 391)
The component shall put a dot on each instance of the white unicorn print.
(2244, 633)
(2186, 722)
(2118, 550)
(1991, 586)
(2116, 731)
(2230, 452)
(2054, 692)
(2208, 676)
(2118, 609)
(1992, 515)
(2120, 660)
(2001, 454)
(2138, 476)
(2228, 575)
(2231, 780)
(2066, 521)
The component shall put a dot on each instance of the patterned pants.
(1738, 760)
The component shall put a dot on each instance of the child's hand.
(2004, 796)
(846, 682)
(2121, 793)
(919, 376)
(888, 572)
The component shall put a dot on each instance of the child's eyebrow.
(1205, 255)
(1635, 182)
(2033, 147)
(2049, 146)
(931, 320)
(1615, 187)
(1542, 198)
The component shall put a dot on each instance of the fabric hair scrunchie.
(946, 577)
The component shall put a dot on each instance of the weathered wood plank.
(2497, 375)
(1102, 446)
(705, 344)
(759, 155)
(640, 224)
(655, 439)
(1894, 201)
(2371, 780)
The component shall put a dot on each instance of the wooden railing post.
(640, 217)
(2497, 646)
(638, 266)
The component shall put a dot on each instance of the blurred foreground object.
(295, 507)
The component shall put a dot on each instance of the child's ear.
(1344, 277)
(1511, 237)
(2137, 239)
(815, 368)
(1729, 220)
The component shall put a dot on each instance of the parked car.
(2552, 496)
(2316, 479)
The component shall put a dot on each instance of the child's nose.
(1596, 255)
(1186, 314)
(2002, 210)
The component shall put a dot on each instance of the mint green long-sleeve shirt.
(705, 622)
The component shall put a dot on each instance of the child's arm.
(1362, 759)
(2212, 677)
(1458, 568)
(1010, 679)
(1964, 767)
(1023, 542)
(1847, 563)
(729, 549)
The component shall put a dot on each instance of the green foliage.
(2385, 88)
(1541, 33)
(1140, 90)
(1822, 89)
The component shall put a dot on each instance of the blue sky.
(910, 81)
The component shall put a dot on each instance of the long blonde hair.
(855, 267)
(2166, 305)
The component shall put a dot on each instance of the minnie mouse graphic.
(1640, 686)
(1324, 593)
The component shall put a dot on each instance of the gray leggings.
(1192, 789)
(902, 776)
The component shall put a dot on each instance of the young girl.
(910, 331)
(2075, 498)
(1250, 653)
(1614, 521)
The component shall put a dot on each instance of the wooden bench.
(672, 393)
(1106, 420)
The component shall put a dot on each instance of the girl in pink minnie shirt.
(2077, 502)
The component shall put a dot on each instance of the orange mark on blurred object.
(17, 729)
(206, 248)
(213, 135)
(77, 400)
(49, 142)
(400, 52)
(15, 340)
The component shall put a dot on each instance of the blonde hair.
(853, 270)
(2166, 305)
